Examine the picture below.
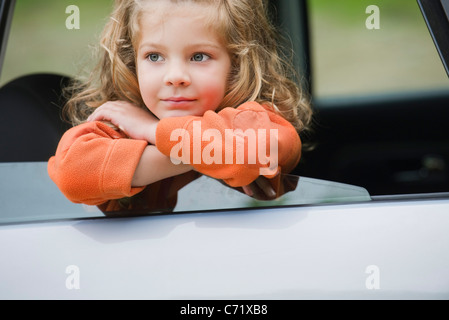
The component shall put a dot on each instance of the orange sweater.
(94, 163)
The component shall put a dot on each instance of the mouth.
(178, 100)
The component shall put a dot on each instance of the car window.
(52, 36)
(57, 37)
(29, 195)
(361, 48)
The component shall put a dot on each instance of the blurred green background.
(40, 42)
(347, 58)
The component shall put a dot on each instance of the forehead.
(163, 8)
(155, 14)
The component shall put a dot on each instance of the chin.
(177, 113)
(180, 113)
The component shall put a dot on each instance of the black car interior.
(388, 145)
(31, 123)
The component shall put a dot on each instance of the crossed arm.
(140, 124)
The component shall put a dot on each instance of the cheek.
(214, 89)
(147, 87)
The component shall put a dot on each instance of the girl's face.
(182, 66)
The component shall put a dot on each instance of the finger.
(107, 113)
(265, 185)
(100, 116)
(248, 191)
(103, 112)
(96, 115)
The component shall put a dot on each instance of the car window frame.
(6, 16)
(437, 21)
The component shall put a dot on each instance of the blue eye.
(154, 57)
(198, 57)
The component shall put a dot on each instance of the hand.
(135, 122)
(260, 189)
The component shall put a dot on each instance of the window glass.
(365, 47)
(52, 36)
(28, 195)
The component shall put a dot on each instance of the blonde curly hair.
(258, 70)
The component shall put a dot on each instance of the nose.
(177, 74)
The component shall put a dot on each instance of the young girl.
(172, 70)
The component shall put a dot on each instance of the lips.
(178, 99)
(178, 102)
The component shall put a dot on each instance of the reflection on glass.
(28, 195)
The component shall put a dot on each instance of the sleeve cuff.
(119, 174)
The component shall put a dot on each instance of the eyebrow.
(150, 44)
(192, 46)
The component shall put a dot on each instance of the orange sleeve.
(233, 145)
(94, 163)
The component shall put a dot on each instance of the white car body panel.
(369, 250)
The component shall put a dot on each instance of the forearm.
(230, 145)
(94, 163)
(154, 166)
